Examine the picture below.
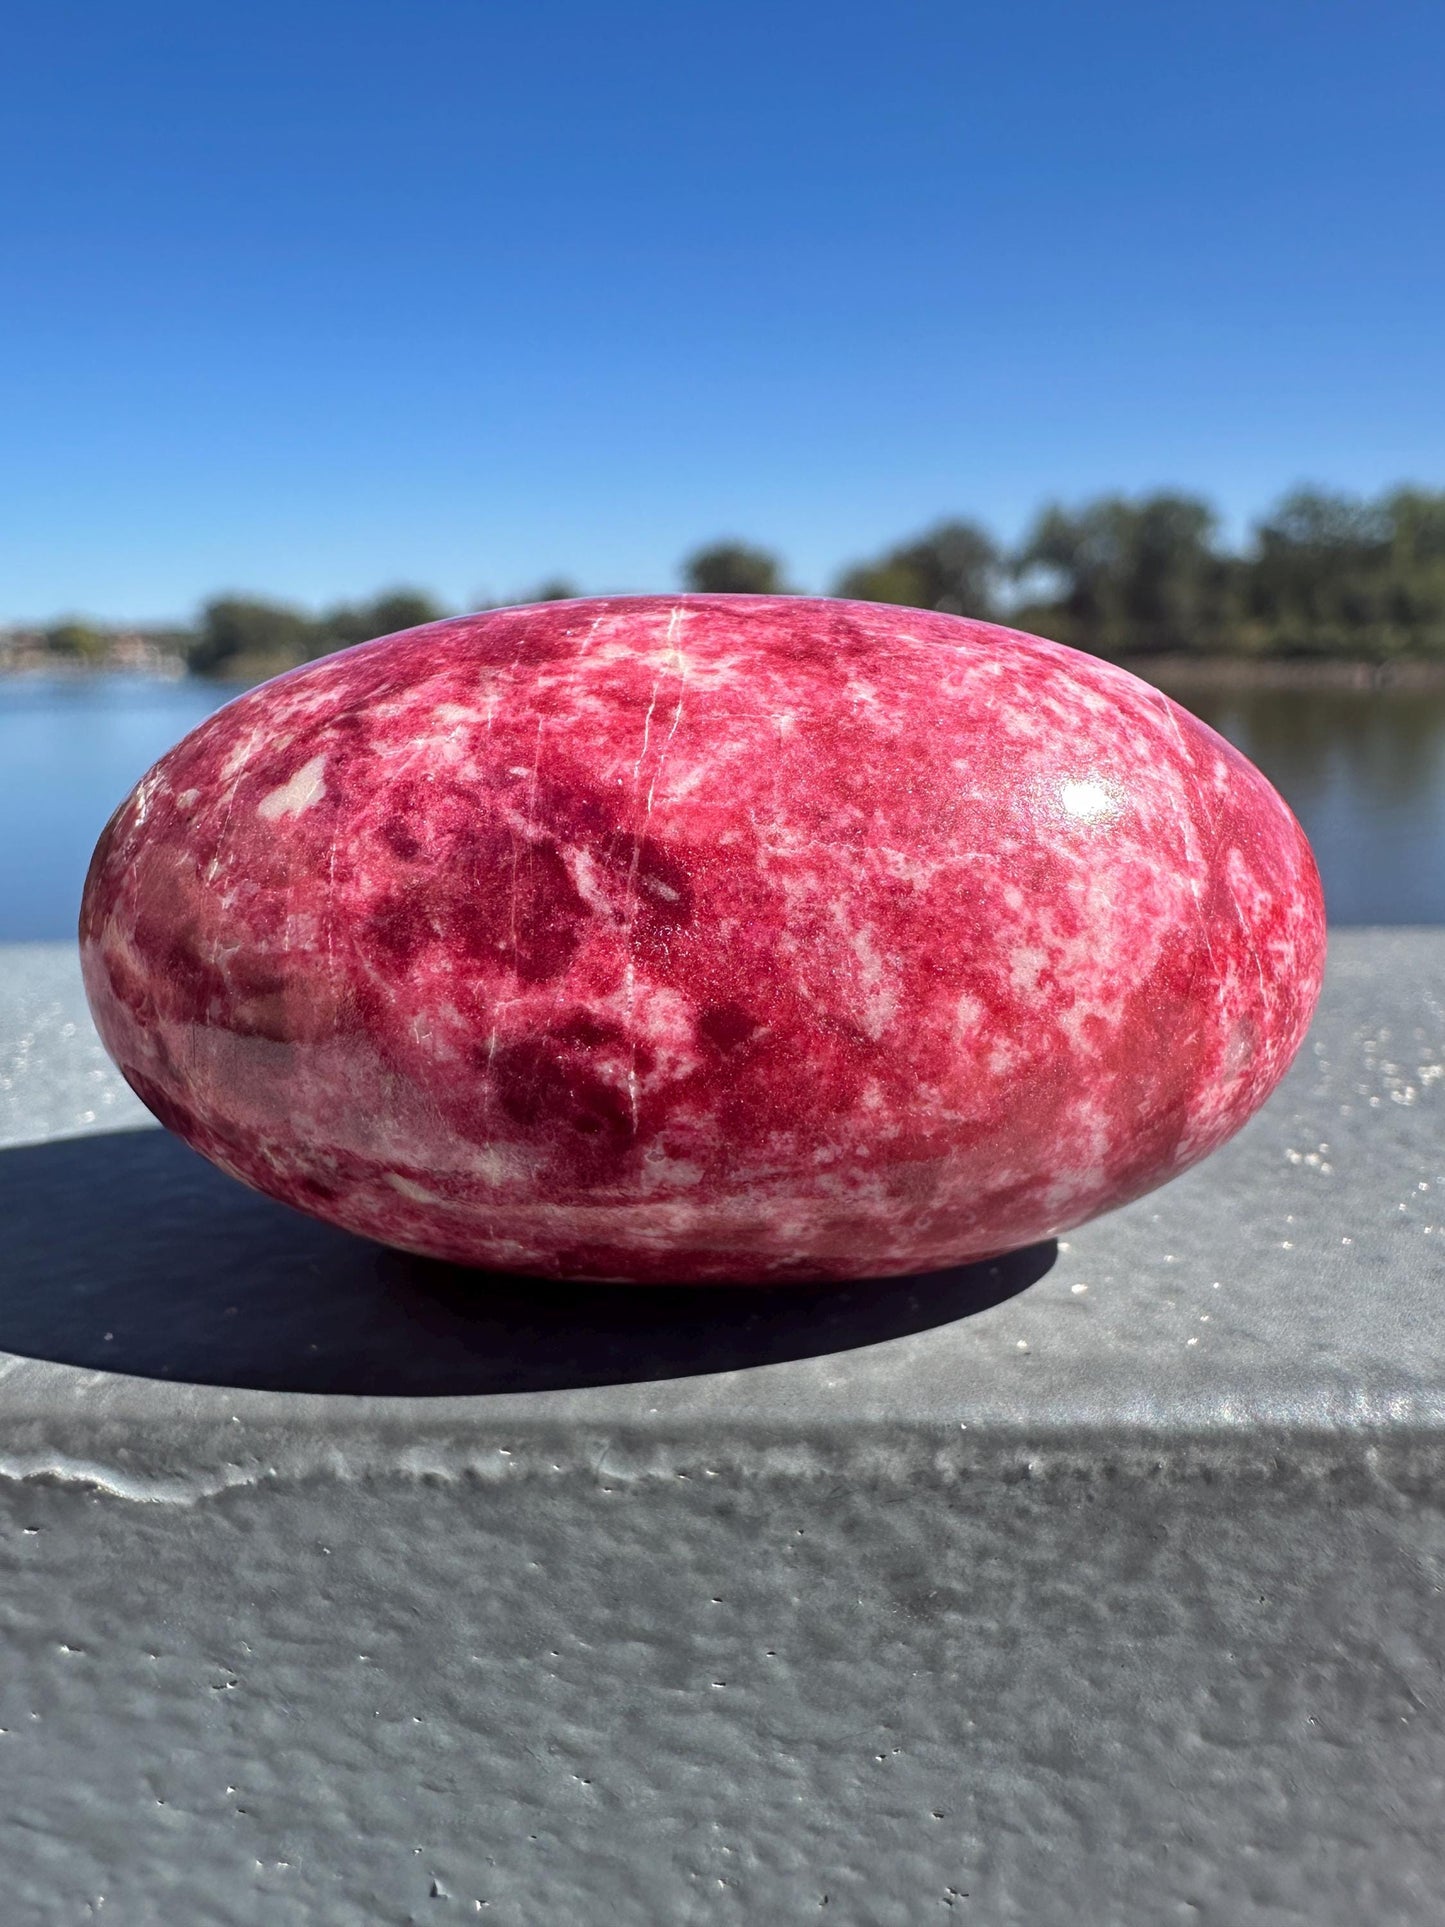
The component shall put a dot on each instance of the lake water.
(1364, 771)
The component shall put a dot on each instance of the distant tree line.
(244, 633)
(1322, 575)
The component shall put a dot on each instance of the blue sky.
(307, 299)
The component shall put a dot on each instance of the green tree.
(384, 615)
(1417, 566)
(1333, 575)
(243, 636)
(1132, 577)
(733, 568)
(955, 567)
(75, 641)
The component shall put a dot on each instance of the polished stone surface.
(704, 938)
(1109, 1589)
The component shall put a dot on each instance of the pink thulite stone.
(711, 937)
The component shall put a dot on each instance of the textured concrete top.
(160, 1323)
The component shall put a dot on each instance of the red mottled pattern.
(704, 938)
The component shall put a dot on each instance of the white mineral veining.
(306, 787)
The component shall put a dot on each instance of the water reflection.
(1364, 770)
(70, 750)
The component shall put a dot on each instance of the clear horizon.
(304, 305)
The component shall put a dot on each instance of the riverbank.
(143, 660)
(1176, 675)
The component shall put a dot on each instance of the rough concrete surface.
(1101, 1586)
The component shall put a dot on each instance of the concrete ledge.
(1103, 1585)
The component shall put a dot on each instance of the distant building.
(135, 652)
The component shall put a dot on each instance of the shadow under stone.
(129, 1253)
